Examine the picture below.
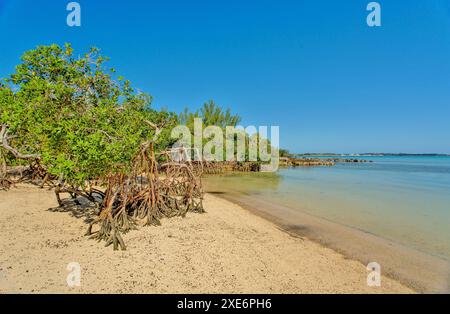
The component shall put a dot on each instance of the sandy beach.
(226, 250)
(420, 271)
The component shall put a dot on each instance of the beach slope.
(226, 250)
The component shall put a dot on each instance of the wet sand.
(419, 271)
(226, 250)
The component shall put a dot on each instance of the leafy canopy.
(70, 111)
(211, 114)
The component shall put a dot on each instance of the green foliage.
(211, 114)
(71, 112)
(285, 153)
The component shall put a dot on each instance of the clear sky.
(313, 67)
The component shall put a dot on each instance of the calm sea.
(402, 199)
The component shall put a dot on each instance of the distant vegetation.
(211, 114)
(285, 153)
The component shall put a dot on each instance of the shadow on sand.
(79, 208)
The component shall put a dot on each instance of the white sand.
(226, 250)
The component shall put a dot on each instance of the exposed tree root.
(142, 196)
(214, 167)
(146, 196)
(30, 174)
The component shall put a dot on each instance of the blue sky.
(312, 67)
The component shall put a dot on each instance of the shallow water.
(403, 199)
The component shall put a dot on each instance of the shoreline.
(226, 250)
(419, 271)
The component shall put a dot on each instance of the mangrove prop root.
(164, 185)
(150, 192)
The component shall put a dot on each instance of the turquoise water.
(403, 199)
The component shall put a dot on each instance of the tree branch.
(4, 143)
(158, 130)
